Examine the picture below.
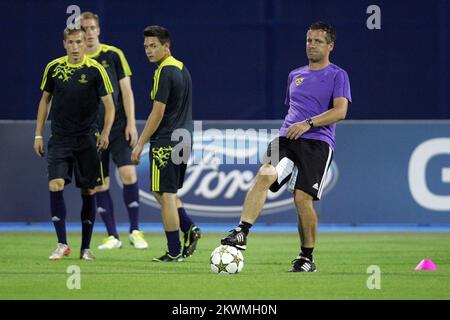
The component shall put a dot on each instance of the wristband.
(38, 137)
(310, 122)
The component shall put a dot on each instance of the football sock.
(131, 198)
(173, 242)
(105, 207)
(306, 252)
(58, 211)
(87, 220)
(185, 221)
(245, 226)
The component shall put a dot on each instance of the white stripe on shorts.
(293, 180)
(330, 152)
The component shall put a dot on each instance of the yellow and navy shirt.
(172, 85)
(76, 90)
(115, 63)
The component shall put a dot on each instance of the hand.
(136, 153)
(296, 130)
(39, 147)
(131, 135)
(103, 141)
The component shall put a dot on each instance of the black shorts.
(310, 157)
(167, 176)
(119, 149)
(75, 155)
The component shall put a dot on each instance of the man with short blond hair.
(123, 138)
(74, 84)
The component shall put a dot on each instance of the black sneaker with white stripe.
(190, 240)
(236, 238)
(303, 264)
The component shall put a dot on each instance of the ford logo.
(219, 174)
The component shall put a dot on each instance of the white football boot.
(110, 243)
(137, 240)
(86, 254)
(61, 251)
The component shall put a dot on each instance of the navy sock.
(173, 242)
(131, 198)
(245, 226)
(306, 252)
(58, 211)
(105, 207)
(185, 221)
(87, 220)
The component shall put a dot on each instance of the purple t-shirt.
(310, 93)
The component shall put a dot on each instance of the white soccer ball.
(227, 260)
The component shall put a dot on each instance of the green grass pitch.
(127, 273)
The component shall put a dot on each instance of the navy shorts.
(167, 165)
(76, 156)
(119, 149)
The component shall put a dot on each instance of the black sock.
(87, 220)
(245, 226)
(58, 211)
(105, 207)
(185, 221)
(306, 252)
(173, 242)
(131, 199)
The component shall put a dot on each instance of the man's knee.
(167, 198)
(104, 186)
(157, 196)
(128, 174)
(56, 185)
(179, 203)
(303, 200)
(267, 175)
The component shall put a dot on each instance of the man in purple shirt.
(317, 96)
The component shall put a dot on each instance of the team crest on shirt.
(105, 64)
(63, 72)
(299, 81)
(83, 79)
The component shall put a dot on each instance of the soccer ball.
(226, 259)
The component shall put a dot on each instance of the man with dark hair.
(318, 95)
(122, 139)
(330, 33)
(74, 84)
(171, 114)
(161, 33)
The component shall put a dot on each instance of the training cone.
(426, 264)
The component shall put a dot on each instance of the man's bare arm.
(152, 124)
(335, 114)
(103, 140)
(128, 104)
(43, 110)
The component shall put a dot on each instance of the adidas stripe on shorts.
(302, 162)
